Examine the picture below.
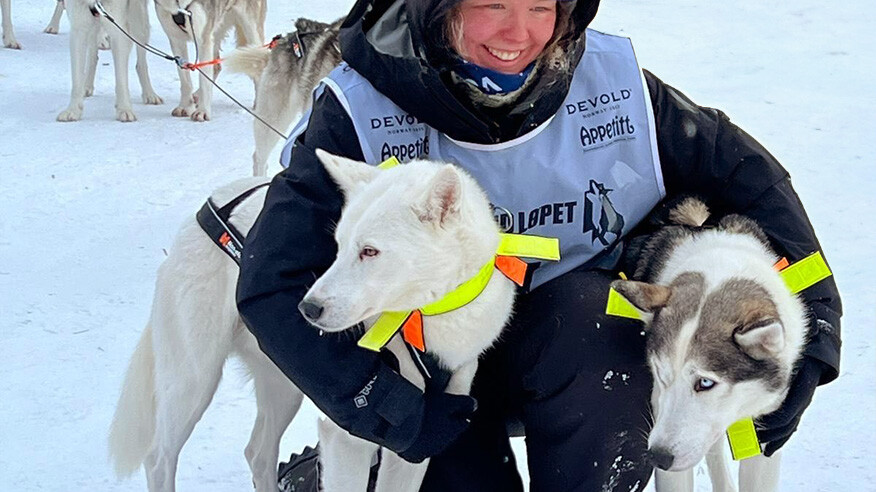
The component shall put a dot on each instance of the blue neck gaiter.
(490, 81)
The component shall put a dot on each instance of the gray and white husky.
(286, 75)
(430, 227)
(724, 335)
(86, 28)
(205, 23)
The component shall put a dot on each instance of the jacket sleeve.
(703, 153)
(288, 247)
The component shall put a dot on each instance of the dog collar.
(507, 260)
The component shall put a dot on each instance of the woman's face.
(505, 35)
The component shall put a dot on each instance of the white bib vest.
(586, 176)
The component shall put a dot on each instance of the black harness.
(217, 226)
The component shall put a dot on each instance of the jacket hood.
(400, 47)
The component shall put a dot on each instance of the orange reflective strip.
(513, 267)
(781, 264)
(412, 331)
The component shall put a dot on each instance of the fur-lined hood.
(401, 48)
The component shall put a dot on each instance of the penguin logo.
(600, 216)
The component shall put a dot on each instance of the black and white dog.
(724, 335)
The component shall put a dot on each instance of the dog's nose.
(311, 310)
(660, 458)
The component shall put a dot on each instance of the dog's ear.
(442, 198)
(646, 297)
(763, 340)
(347, 173)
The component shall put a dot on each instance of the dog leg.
(139, 28)
(665, 481)
(397, 475)
(55, 23)
(91, 60)
(103, 41)
(8, 35)
(719, 473)
(121, 50)
(83, 33)
(760, 474)
(345, 459)
(179, 47)
(204, 34)
(278, 401)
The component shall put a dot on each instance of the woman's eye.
(704, 384)
(368, 252)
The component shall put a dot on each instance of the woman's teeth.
(504, 55)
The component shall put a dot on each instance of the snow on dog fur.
(725, 333)
(406, 237)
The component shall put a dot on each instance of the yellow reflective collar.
(743, 439)
(515, 245)
(806, 272)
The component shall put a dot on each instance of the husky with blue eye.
(724, 335)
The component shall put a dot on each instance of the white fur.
(8, 34)
(211, 19)
(433, 228)
(194, 327)
(85, 35)
(690, 424)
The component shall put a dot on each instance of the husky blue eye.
(704, 384)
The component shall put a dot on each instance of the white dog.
(54, 26)
(205, 23)
(450, 236)
(725, 333)
(8, 35)
(85, 32)
(286, 74)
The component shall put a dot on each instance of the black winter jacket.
(291, 243)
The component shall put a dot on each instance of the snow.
(89, 207)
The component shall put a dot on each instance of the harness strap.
(215, 223)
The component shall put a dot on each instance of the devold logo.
(619, 128)
(404, 152)
(393, 121)
(600, 216)
(596, 102)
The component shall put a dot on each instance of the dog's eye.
(704, 384)
(368, 252)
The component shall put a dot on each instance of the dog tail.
(249, 60)
(133, 424)
(690, 212)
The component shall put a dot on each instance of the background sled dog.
(205, 22)
(286, 76)
(85, 29)
(725, 333)
(54, 26)
(194, 325)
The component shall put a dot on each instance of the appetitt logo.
(405, 152)
(619, 128)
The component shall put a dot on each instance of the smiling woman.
(505, 36)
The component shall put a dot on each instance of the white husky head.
(406, 237)
(722, 343)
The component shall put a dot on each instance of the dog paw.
(125, 115)
(70, 114)
(201, 115)
(11, 44)
(182, 111)
(50, 30)
(104, 44)
(152, 98)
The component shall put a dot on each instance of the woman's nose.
(516, 28)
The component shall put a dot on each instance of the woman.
(557, 125)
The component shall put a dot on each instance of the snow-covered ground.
(87, 209)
